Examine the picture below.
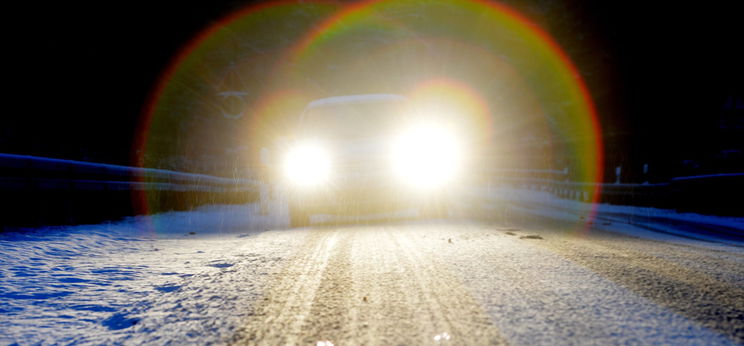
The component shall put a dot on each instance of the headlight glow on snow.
(426, 156)
(307, 164)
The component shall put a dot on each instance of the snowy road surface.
(479, 284)
(518, 280)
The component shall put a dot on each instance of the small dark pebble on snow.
(530, 237)
(450, 240)
(365, 299)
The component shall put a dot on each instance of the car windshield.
(352, 120)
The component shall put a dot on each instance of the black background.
(661, 74)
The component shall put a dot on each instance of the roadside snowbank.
(644, 222)
(177, 277)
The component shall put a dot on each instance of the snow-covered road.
(475, 283)
(229, 275)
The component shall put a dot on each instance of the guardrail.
(38, 190)
(32, 168)
(46, 191)
(718, 194)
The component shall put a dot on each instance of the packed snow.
(176, 276)
(189, 277)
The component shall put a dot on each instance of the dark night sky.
(80, 73)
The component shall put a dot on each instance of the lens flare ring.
(488, 55)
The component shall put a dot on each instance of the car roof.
(362, 98)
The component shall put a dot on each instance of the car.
(366, 154)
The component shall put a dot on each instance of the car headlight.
(426, 156)
(307, 164)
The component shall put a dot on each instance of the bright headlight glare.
(426, 156)
(307, 164)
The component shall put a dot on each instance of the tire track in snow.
(279, 317)
(367, 285)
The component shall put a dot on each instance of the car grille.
(367, 172)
